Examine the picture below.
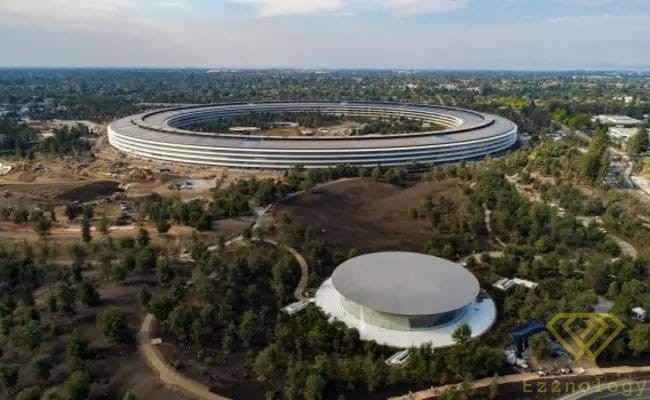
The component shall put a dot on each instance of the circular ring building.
(165, 135)
(406, 299)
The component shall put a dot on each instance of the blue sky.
(429, 34)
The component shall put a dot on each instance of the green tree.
(145, 259)
(53, 394)
(145, 296)
(30, 393)
(539, 345)
(104, 225)
(462, 335)
(164, 271)
(640, 339)
(595, 162)
(85, 230)
(161, 305)
(78, 346)
(163, 225)
(77, 387)
(113, 324)
(376, 174)
(579, 121)
(32, 334)
(314, 387)
(88, 294)
(267, 361)
(374, 373)
(41, 225)
(247, 328)
(638, 143)
(42, 366)
(65, 297)
(129, 395)
(143, 238)
(8, 375)
(460, 357)
(180, 322)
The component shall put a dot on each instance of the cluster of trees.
(163, 211)
(595, 163)
(576, 121)
(525, 223)
(640, 142)
(265, 121)
(455, 230)
(572, 200)
(67, 140)
(325, 352)
(392, 126)
(28, 331)
(20, 137)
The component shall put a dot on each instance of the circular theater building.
(167, 135)
(406, 299)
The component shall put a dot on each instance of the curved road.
(615, 390)
(531, 379)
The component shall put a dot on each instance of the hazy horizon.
(461, 35)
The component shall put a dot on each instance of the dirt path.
(75, 229)
(627, 249)
(166, 373)
(174, 379)
(488, 226)
(521, 378)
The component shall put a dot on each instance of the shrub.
(113, 324)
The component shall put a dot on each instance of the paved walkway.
(170, 376)
(531, 378)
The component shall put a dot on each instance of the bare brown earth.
(25, 194)
(370, 216)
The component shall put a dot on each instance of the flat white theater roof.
(405, 283)
(480, 316)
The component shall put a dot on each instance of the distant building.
(617, 120)
(506, 284)
(622, 135)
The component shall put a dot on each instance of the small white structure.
(639, 313)
(400, 358)
(506, 284)
(618, 120)
(295, 307)
(244, 129)
(524, 282)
